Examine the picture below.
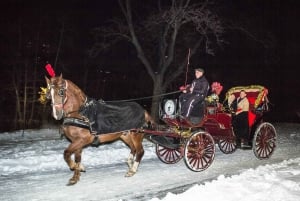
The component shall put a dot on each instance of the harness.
(96, 115)
(67, 121)
(73, 121)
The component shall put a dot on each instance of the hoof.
(75, 177)
(129, 174)
(72, 182)
(81, 168)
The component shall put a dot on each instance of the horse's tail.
(149, 120)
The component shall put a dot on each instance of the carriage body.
(219, 117)
(195, 139)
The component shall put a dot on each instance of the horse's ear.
(47, 80)
(60, 76)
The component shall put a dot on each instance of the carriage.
(211, 124)
(87, 121)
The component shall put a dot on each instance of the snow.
(271, 182)
(32, 168)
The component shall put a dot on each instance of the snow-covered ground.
(32, 168)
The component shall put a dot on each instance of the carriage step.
(167, 142)
(246, 146)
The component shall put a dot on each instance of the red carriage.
(210, 124)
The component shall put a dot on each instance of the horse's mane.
(76, 90)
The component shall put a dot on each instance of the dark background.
(269, 58)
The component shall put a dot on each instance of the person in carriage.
(230, 104)
(194, 93)
(240, 120)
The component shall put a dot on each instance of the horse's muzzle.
(57, 112)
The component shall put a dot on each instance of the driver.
(194, 93)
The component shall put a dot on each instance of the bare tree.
(164, 34)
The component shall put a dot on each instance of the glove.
(182, 88)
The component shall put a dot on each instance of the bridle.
(61, 93)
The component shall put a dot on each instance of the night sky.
(241, 61)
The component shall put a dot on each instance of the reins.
(143, 98)
(148, 97)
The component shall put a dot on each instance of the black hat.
(199, 69)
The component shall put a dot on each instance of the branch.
(107, 36)
(134, 39)
(250, 35)
(180, 68)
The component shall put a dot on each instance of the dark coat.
(201, 86)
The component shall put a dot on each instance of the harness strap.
(96, 142)
(71, 121)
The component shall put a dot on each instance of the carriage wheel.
(168, 155)
(227, 145)
(264, 141)
(199, 151)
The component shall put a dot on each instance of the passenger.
(229, 104)
(240, 121)
(195, 93)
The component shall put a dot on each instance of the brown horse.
(71, 104)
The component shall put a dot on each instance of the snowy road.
(34, 170)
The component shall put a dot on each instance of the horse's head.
(57, 93)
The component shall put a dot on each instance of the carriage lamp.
(170, 107)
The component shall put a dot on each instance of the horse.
(85, 125)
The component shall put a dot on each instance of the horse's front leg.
(67, 157)
(77, 169)
(76, 166)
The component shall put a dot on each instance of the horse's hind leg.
(127, 140)
(137, 140)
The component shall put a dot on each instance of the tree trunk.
(157, 91)
(23, 119)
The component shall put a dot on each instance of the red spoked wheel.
(264, 141)
(168, 155)
(199, 151)
(227, 145)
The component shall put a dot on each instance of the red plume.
(50, 70)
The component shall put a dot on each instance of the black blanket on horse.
(113, 117)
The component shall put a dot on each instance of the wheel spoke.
(264, 141)
(199, 151)
(167, 155)
(227, 145)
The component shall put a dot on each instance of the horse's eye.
(61, 92)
